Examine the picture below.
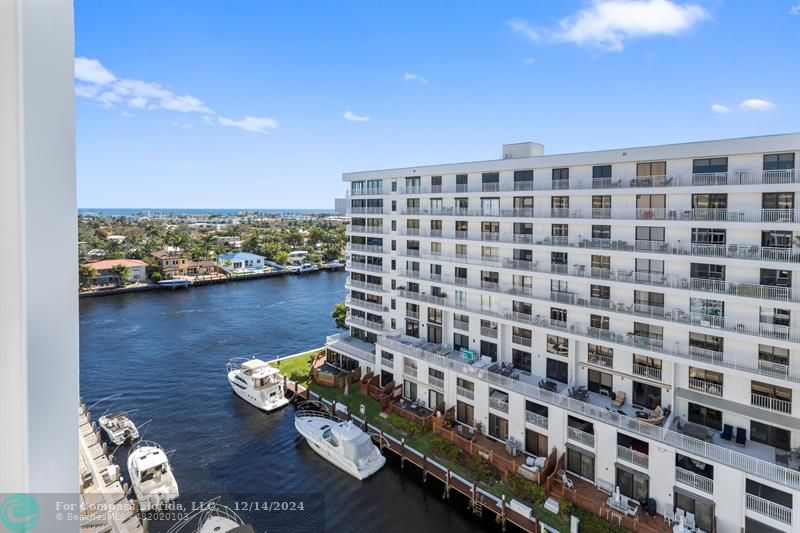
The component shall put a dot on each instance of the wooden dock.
(103, 495)
(479, 499)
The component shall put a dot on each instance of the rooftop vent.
(527, 149)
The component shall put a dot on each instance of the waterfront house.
(172, 263)
(105, 278)
(241, 262)
(297, 257)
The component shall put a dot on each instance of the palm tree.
(85, 275)
(122, 273)
(339, 315)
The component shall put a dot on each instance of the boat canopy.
(151, 460)
(358, 447)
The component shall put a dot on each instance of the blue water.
(134, 211)
(165, 353)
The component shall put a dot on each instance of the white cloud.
(523, 28)
(411, 77)
(92, 71)
(719, 109)
(248, 123)
(352, 117)
(795, 9)
(98, 84)
(756, 104)
(607, 24)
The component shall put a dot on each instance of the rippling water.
(165, 353)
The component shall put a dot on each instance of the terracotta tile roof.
(111, 263)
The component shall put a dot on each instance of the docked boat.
(257, 382)
(118, 427)
(151, 476)
(307, 268)
(175, 282)
(211, 517)
(340, 442)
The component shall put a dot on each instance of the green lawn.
(297, 367)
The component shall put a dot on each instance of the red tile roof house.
(104, 277)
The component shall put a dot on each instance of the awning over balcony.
(721, 404)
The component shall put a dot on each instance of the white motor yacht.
(151, 476)
(306, 268)
(118, 427)
(257, 382)
(341, 443)
(212, 517)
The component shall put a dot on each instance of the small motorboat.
(307, 268)
(151, 476)
(118, 427)
(212, 517)
(340, 442)
(176, 282)
(257, 382)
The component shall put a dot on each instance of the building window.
(710, 165)
(654, 168)
(580, 463)
(600, 382)
(770, 435)
(601, 171)
(633, 484)
(465, 413)
(498, 427)
(521, 360)
(536, 443)
(489, 349)
(705, 416)
(558, 345)
(557, 370)
(779, 161)
(523, 180)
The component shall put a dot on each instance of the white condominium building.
(637, 310)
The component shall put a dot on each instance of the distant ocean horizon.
(133, 211)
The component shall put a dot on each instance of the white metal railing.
(370, 248)
(444, 358)
(410, 371)
(632, 456)
(387, 362)
(433, 381)
(498, 404)
(465, 392)
(694, 480)
(646, 371)
(578, 435)
(366, 229)
(537, 419)
(356, 284)
(359, 321)
(364, 304)
(708, 387)
(601, 360)
(523, 341)
(767, 508)
(412, 314)
(369, 191)
(461, 325)
(770, 402)
(366, 210)
(367, 267)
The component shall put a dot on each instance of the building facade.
(173, 263)
(633, 309)
(104, 275)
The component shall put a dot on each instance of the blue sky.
(164, 89)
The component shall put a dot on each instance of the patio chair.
(690, 520)
(669, 515)
(727, 432)
(619, 400)
(741, 436)
(657, 416)
(562, 476)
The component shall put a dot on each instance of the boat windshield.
(330, 437)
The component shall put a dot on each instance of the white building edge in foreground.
(667, 273)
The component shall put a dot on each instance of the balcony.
(489, 332)
(364, 304)
(461, 325)
(366, 229)
(630, 455)
(706, 387)
(522, 341)
(490, 187)
(412, 314)
(354, 284)
(490, 236)
(343, 342)
(364, 267)
(560, 184)
(410, 372)
(767, 508)
(465, 393)
(578, 435)
(387, 362)
(601, 360)
(370, 191)
(523, 185)
(757, 460)
(359, 321)
(498, 404)
(645, 371)
(369, 248)
(366, 210)
(694, 480)
(770, 403)
(438, 383)
(537, 419)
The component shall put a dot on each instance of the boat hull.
(255, 399)
(326, 452)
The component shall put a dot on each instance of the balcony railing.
(498, 404)
(461, 325)
(465, 392)
(433, 381)
(770, 403)
(369, 191)
(387, 362)
(370, 248)
(767, 508)
(359, 321)
(366, 210)
(364, 304)
(692, 479)
(367, 267)
(366, 229)
(444, 358)
(578, 435)
(632, 456)
(522, 341)
(537, 419)
(707, 387)
(410, 372)
(354, 284)
(645, 371)
(601, 360)
(489, 332)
